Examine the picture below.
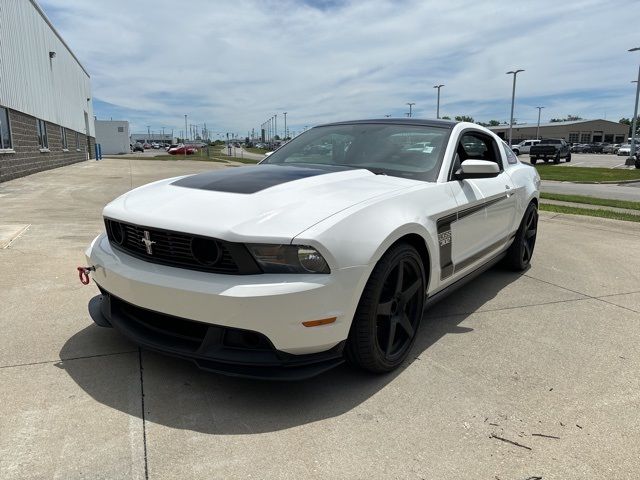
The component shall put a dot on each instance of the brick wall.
(28, 159)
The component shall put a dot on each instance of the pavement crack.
(83, 357)
(489, 310)
(591, 297)
(144, 420)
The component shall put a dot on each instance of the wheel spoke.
(409, 292)
(392, 336)
(384, 308)
(406, 324)
(400, 278)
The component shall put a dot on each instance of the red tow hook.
(83, 274)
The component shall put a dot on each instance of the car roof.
(398, 121)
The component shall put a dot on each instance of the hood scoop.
(253, 179)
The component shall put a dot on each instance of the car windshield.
(409, 151)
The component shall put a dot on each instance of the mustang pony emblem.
(148, 242)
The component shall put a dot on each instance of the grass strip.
(628, 217)
(605, 202)
(261, 151)
(586, 174)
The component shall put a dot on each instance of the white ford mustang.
(329, 249)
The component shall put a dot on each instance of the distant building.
(152, 137)
(46, 116)
(576, 131)
(113, 136)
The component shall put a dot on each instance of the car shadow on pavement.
(178, 395)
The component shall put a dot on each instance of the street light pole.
(184, 140)
(411, 104)
(286, 134)
(538, 127)
(631, 159)
(513, 100)
(438, 104)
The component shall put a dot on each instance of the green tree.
(494, 123)
(463, 118)
(569, 118)
(445, 118)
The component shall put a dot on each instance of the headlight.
(289, 259)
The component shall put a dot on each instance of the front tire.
(387, 318)
(568, 159)
(521, 250)
(556, 159)
(533, 160)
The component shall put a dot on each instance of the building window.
(5, 131)
(43, 141)
(574, 137)
(63, 136)
(585, 137)
(120, 129)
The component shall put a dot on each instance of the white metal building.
(46, 112)
(113, 136)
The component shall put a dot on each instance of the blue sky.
(233, 65)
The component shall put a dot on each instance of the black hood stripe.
(252, 179)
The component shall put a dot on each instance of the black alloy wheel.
(520, 252)
(389, 313)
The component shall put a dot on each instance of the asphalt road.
(514, 377)
(624, 191)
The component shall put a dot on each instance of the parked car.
(146, 146)
(611, 148)
(137, 147)
(173, 145)
(550, 149)
(596, 147)
(286, 269)
(180, 150)
(624, 150)
(524, 146)
(155, 146)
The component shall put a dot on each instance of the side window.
(511, 157)
(478, 146)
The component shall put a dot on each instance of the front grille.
(177, 249)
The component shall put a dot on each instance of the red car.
(180, 150)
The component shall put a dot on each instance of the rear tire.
(533, 160)
(389, 312)
(521, 250)
(568, 158)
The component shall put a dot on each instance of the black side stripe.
(443, 225)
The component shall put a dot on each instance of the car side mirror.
(477, 169)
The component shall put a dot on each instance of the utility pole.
(632, 154)
(538, 128)
(438, 104)
(184, 140)
(275, 119)
(513, 100)
(411, 104)
(148, 134)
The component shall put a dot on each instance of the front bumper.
(273, 305)
(214, 348)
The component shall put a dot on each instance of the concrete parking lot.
(591, 160)
(514, 377)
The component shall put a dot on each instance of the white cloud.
(234, 64)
